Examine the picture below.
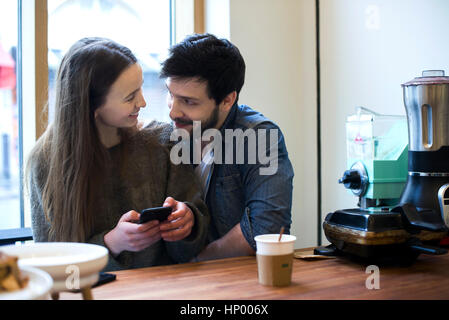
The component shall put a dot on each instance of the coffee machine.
(403, 189)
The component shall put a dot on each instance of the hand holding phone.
(181, 221)
(130, 236)
(158, 213)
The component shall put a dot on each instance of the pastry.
(11, 278)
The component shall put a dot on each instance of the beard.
(212, 121)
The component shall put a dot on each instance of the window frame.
(32, 91)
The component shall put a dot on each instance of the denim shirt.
(239, 193)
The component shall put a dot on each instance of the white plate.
(68, 263)
(38, 287)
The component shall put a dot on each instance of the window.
(45, 29)
(142, 26)
(9, 120)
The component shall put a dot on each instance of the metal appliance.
(403, 192)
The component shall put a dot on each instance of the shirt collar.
(230, 118)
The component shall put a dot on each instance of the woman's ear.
(228, 101)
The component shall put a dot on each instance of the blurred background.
(143, 26)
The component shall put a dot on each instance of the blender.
(403, 190)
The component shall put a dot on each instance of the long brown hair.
(70, 151)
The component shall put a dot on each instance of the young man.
(247, 176)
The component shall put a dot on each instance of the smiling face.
(188, 101)
(123, 101)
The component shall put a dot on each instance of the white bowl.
(38, 286)
(71, 265)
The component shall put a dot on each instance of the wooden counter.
(236, 278)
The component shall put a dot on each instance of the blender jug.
(426, 101)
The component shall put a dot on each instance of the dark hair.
(215, 61)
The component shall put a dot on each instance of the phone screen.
(159, 213)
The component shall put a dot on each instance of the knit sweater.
(146, 180)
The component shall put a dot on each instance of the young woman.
(93, 171)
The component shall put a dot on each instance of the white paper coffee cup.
(274, 259)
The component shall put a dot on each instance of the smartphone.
(158, 213)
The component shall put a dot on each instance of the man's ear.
(228, 101)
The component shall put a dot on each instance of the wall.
(277, 40)
(217, 18)
(368, 49)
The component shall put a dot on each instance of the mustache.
(183, 121)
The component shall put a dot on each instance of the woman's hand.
(179, 223)
(130, 236)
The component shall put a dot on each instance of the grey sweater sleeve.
(183, 186)
(40, 224)
(114, 263)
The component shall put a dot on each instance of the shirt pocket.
(230, 203)
(230, 183)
